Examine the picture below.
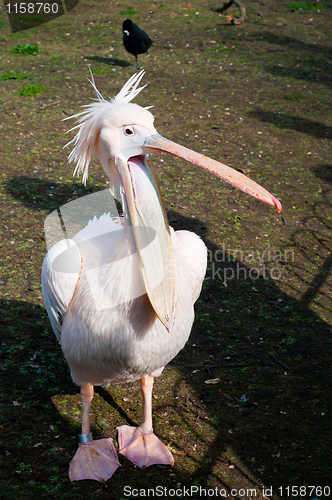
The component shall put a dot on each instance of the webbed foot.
(94, 460)
(143, 448)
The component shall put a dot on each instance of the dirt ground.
(256, 96)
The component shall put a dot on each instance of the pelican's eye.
(129, 131)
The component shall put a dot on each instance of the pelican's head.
(109, 127)
(122, 134)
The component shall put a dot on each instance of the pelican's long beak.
(143, 204)
(228, 174)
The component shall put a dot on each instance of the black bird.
(135, 40)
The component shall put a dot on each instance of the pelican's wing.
(194, 255)
(60, 274)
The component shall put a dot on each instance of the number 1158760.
(32, 8)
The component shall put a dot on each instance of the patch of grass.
(128, 12)
(26, 50)
(18, 35)
(289, 340)
(190, 11)
(294, 97)
(11, 75)
(31, 90)
(305, 6)
(234, 219)
(55, 57)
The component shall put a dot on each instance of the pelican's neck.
(115, 184)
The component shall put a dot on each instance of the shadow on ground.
(314, 64)
(110, 61)
(286, 121)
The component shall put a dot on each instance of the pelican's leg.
(94, 459)
(140, 444)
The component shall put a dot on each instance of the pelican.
(125, 308)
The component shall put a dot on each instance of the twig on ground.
(87, 21)
(45, 149)
(48, 105)
(280, 363)
(90, 43)
(17, 84)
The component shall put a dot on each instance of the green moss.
(128, 12)
(27, 49)
(31, 90)
(11, 75)
(305, 6)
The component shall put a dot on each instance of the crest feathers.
(88, 123)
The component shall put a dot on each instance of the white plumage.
(110, 331)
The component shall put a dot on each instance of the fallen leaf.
(102, 422)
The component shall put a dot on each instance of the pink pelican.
(146, 275)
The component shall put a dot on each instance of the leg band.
(84, 438)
